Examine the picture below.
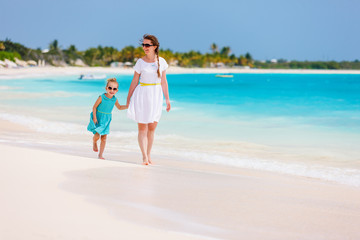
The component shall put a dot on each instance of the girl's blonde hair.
(113, 80)
(154, 42)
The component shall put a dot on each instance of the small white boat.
(225, 76)
(92, 76)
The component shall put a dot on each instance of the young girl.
(145, 100)
(100, 117)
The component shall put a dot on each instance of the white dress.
(147, 99)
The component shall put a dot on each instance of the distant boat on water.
(91, 76)
(225, 76)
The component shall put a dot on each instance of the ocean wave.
(9, 88)
(56, 127)
(347, 176)
(177, 146)
(41, 125)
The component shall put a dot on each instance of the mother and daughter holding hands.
(144, 101)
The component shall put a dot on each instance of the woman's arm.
(98, 101)
(133, 85)
(120, 107)
(165, 88)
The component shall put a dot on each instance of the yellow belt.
(104, 112)
(149, 84)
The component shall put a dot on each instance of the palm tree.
(138, 52)
(127, 54)
(71, 54)
(168, 55)
(54, 46)
(242, 61)
(225, 51)
(90, 56)
(110, 55)
(72, 49)
(248, 57)
(55, 55)
(214, 48)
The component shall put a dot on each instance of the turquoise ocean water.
(302, 124)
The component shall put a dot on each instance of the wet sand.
(52, 195)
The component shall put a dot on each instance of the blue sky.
(289, 29)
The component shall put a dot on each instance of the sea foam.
(167, 145)
(44, 126)
(347, 176)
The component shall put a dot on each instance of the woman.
(145, 99)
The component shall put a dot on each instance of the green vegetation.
(104, 56)
(9, 55)
(282, 64)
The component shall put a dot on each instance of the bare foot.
(101, 157)
(145, 161)
(149, 160)
(95, 147)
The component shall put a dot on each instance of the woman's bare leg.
(95, 139)
(102, 146)
(143, 141)
(150, 137)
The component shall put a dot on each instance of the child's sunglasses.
(146, 45)
(110, 88)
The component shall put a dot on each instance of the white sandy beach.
(41, 71)
(51, 195)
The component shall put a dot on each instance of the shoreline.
(24, 130)
(50, 71)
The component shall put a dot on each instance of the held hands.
(120, 107)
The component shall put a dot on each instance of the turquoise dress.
(103, 115)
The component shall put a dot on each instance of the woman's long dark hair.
(154, 42)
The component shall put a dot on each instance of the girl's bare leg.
(150, 137)
(102, 146)
(95, 139)
(143, 141)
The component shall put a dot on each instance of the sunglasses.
(110, 88)
(146, 45)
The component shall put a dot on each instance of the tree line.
(104, 56)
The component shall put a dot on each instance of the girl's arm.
(133, 85)
(120, 107)
(98, 101)
(164, 85)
